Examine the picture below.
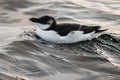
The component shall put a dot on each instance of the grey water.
(24, 57)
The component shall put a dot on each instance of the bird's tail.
(99, 31)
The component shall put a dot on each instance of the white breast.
(72, 37)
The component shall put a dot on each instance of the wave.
(38, 57)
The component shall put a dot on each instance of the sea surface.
(25, 57)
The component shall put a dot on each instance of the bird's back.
(64, 29)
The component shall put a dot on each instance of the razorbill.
(50, 31)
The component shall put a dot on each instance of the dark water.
(22, 56)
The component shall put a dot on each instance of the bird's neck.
(52, 26)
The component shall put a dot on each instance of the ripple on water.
(34, 59)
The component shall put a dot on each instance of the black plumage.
(66, 28)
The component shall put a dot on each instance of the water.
(22, 56)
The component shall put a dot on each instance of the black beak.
(33, 19)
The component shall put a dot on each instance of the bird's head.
(43, 22)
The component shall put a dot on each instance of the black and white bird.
(50, 31)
